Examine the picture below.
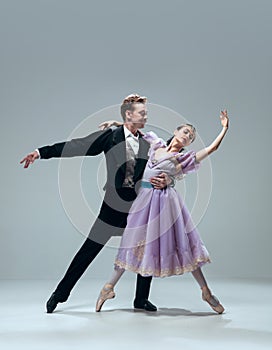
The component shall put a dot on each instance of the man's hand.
(161, 181)
(30, 158)
(108, 124)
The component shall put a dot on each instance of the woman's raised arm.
(202, 154)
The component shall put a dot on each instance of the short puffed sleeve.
(188, 163)
(155, 141)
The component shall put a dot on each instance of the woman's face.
(185, 136)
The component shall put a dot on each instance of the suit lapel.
(119, 146)
(142, 157)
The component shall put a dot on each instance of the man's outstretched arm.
(90, 145)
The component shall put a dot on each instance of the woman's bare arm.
(202, 154)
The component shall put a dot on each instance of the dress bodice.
(173, 164)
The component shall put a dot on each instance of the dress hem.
(165, 272)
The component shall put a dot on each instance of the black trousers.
(110, 222)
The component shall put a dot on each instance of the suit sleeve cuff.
(37, 150)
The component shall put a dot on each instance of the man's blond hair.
(128, 103)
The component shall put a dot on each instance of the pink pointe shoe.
(106, 293)
(212, 300)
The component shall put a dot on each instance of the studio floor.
(183, 320)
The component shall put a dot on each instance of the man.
(126, 156)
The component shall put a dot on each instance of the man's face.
(138, 116)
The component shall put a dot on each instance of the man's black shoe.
(144, 305)
(52, 303)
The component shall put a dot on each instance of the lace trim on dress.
(138, 251)
(178, 270)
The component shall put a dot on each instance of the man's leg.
(98, 237)
(86, 254)
(142, 293)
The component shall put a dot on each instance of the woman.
(160, 238)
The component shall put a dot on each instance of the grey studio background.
(62, 61)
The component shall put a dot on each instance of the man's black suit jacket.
(118, 199)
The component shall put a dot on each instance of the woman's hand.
(224, 118)
(202, 154)
(109, 123)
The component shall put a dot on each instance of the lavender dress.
(160, 238)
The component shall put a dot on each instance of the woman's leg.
(206, 293)
(117, 274)
(199, 277)
(107, 291)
